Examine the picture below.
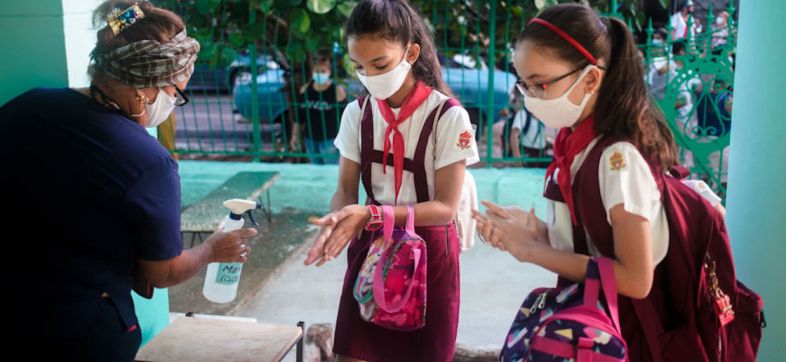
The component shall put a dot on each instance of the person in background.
(318, 117)
(720, 30)
(166, 134)
(529, 137)
(96, 197)
(679, 21)
(659, 64)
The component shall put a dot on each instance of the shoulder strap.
(430, 126)
(366, 144)
(590, 205)
(528, 122)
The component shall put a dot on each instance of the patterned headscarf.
(149, 63)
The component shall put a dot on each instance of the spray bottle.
(222, 279)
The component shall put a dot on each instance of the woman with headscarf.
(93, 199)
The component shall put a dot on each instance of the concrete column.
(757, 165)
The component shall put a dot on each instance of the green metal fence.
(251, 108)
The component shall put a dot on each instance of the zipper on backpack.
(540, 303)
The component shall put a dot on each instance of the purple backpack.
(558, 324)
(391, 286)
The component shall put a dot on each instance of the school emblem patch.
(617, 161)
(465, 140)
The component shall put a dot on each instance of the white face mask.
(320, 78)
(382, 86)
(158, 112)
(559, 112)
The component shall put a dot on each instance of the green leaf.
(295, 53)
(516, 10)
(320, 6)
(266, 6)
(206, 7)
(227, 56)
(237, 40)
(346, 8)
(299, 21)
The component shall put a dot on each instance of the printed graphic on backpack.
(570, 323)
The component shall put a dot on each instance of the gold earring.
(142, 98)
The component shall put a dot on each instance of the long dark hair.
(623, 108)
(396, 20)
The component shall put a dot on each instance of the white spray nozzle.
(239, 206)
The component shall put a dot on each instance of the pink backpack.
(391, 285)
(570, 323)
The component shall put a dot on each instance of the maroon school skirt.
(436, 342)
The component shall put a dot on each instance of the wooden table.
(208, 340)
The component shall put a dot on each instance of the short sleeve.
(348, 141)
(704, 190)
(152, 204)
(625, 178)
(519, 120)
(455, 139)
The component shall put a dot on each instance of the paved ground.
(493, 285)
(277, 288)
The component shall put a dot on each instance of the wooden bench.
(216, 338)
(202, 217)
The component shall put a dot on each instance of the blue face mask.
(320, 78)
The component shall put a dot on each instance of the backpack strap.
(528, 122)
(592, 209)
(421, 180)
(366, 145)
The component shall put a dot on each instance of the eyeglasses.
(538, 90)
(180, 98)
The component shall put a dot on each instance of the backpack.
(391, 285)
(570, 323)
(697, 309)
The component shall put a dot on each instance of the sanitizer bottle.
(222, 278)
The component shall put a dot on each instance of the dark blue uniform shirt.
(86, 191)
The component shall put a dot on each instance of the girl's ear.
(592, 80)
(414, 53)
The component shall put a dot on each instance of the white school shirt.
(627, 181)
(453, 123)
(535, 136)
(679, 25)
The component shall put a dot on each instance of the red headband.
(567, 38)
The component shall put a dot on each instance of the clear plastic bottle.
(222, 279)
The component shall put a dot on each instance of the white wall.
(80, 37)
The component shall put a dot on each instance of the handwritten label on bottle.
(228, 273)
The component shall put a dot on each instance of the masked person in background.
(318, 117)
(106, 193)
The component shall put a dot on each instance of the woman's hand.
(230, 247)
(512, 229)
(338, 228)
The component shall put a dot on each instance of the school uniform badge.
(465, 140)
(617, 161)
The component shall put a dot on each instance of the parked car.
(468, 80)
(209, 78)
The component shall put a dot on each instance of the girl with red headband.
(408, 143)
(580, 72)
